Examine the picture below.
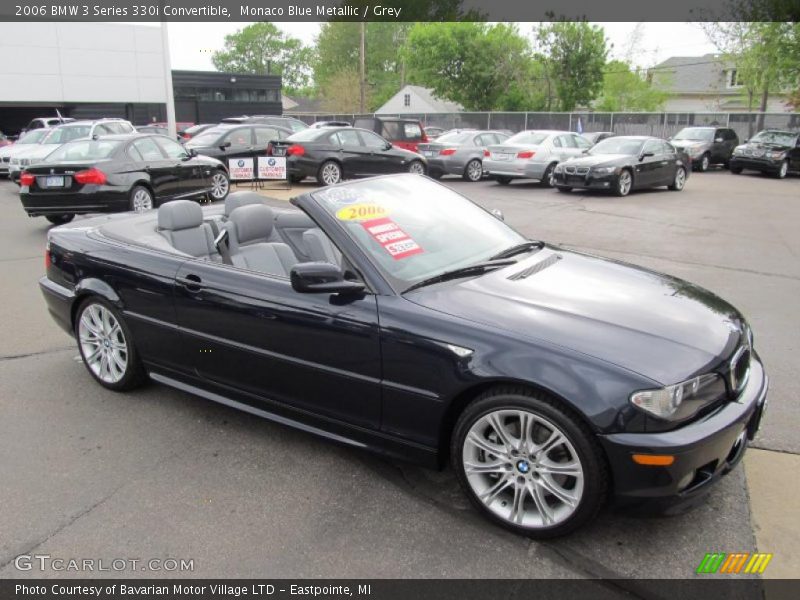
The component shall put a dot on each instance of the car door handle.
(191, 282)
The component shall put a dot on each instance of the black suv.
(278, 121)
(706, 146)
(229, 140)
(770, 151)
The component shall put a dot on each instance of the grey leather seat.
(247, 227)
(181, 223)
(320, 248)
(237, 199)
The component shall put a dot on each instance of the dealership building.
(90, 70)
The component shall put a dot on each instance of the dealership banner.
(395, 589)
(398, 10)
(271, 167)
(241, 169)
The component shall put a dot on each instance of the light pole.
(169, 92)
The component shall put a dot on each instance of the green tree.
(262, 48)
(338, 51)
(624, 89)
(341, 93)
(480, 66)
(574, 54)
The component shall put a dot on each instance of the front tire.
(528, 463)
(60, 219)
(473, 171)
(783, 171)
(563, 189)
(679, 181)
(330, 173)
(220, 185)
(548, 177)
(141, 199)
(704, 164)
(416, 167)
(503, 180)
(736, 170)
(624, 183)
(106, 346)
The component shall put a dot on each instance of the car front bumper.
(589, 181)
(517, 168)
(764, 165)
(704, 451)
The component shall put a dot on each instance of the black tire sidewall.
(134, 373)
(60, 219)
(596, 478)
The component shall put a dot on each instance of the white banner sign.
(271, 167)
(240, 168)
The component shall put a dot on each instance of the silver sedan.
(532, 155)
(460, 152)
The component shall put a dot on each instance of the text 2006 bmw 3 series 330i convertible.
(393, 314)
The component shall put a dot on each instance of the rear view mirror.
(321, 278)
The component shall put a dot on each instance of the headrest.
(237, 199)
(179, 214)
(252, 222)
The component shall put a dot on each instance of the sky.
(191, 44)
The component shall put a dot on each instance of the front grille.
(739, 369)
(576, 170)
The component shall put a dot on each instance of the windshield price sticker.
(391, 238)
(361, 212)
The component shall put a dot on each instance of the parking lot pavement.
(159, 473)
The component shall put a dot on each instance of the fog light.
(686, 480)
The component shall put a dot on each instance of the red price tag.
(391, 238)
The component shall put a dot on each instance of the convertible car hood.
(658, 326)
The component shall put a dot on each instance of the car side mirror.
(644, 155)
(388, 146)
(192, 152)
(498, 214)
(718, 140)
(746, 140)
(322, 278)
(225, 145)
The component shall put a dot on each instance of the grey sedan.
(532, 155)
(460, 152)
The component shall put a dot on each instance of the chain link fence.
(656, 124)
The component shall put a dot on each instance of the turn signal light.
(654, 460)
(26, 179)
(447, 151)
(92, 175)
(295, 150)
(526, 154)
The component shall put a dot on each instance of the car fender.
(91, 286)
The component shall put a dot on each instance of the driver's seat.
(247, 227)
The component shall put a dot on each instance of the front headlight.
(603, 170)
(559, 168)
(776, 155)
(738, 150)
(682, 400)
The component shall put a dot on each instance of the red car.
(4, 141)
(403, 133)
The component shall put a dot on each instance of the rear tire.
(330, 173)
(473, 171)
(554, 473)
(141, 199)
(59, 219)
(503, 180)
(106, 346)
(736, 170)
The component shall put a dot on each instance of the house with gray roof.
(706, 84)
(414, 99)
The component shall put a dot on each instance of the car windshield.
(61, 135)
(784, 138)
(455, 137)
(527, 137)
(33, 137)
(618, 145)
(698, 134)
(295, 125)
(84, 150)
(209, 137)
(414, 228)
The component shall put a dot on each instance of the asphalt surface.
(88, 473)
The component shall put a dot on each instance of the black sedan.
(118, 173)
(393, 314)
(228, 141)
(332, 154)
(770, 151)
(625, 163)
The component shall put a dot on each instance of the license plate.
(502, 156)
(279, 151)
(427, 153)
(54, 181)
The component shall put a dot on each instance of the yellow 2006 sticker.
(362, 211)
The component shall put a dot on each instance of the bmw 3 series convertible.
(393, 314)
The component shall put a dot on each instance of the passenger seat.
(247, 227)
(181, 223)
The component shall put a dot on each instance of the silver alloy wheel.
(704, 163)
(551, 180)
(474, 170)
(784, 169)
(103, 344)
(624, 183)
(142, 200)
(417, 168)
(680, 178)
(219, 185)
(331, 173)
(523, 468)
